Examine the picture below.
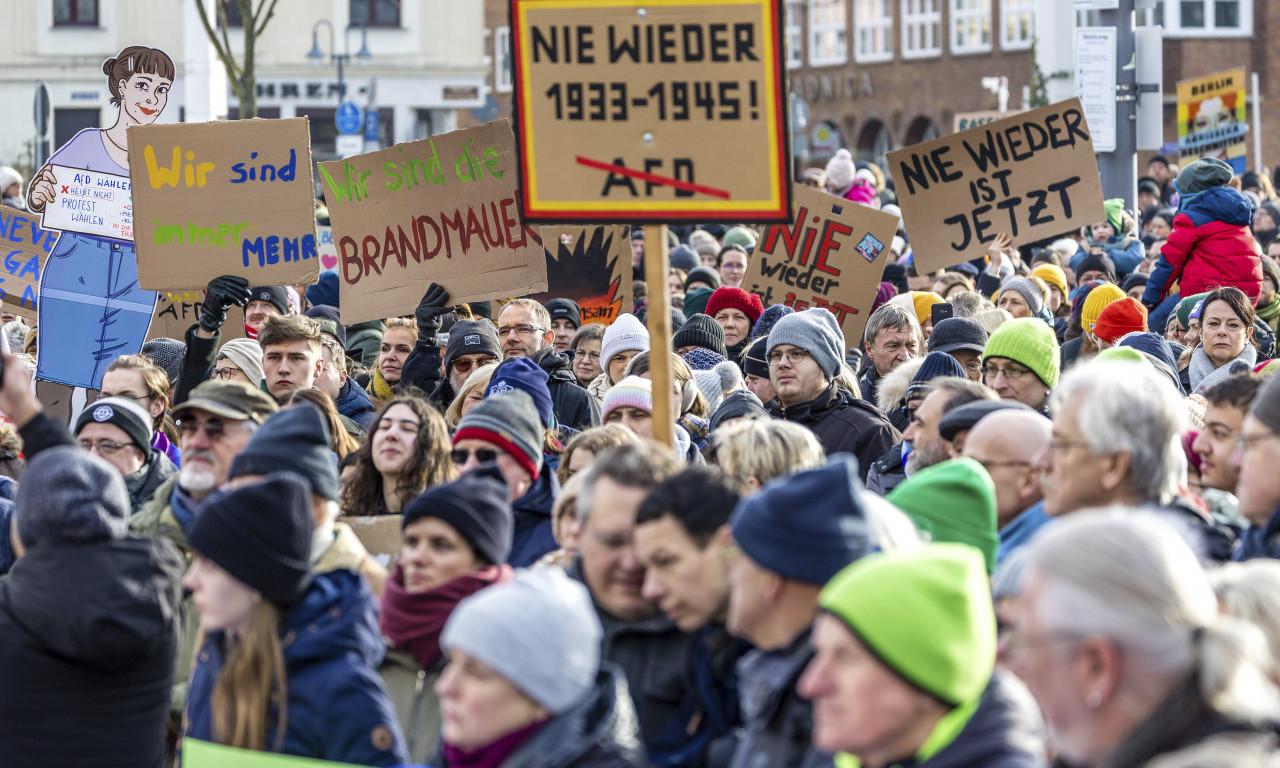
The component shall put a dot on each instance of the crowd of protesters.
(1040, 531)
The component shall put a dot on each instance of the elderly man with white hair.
(1117, 429)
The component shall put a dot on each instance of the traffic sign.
(348, 118)
(659, 111)
(347, 145)
(371, 126)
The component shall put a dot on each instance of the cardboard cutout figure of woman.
(91, 309)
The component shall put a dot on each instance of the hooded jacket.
(533, 536)
(843, 424)
(1210, 246)
(598, 732)
(356, 404)
(338, 709)
(573, 406)
(88, 634)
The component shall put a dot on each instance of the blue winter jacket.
(338, 709)
(1259, 540)
(533, 536)
(1125, 252)
(357, 405)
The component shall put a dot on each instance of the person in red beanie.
(1120, 317)
(736, 311)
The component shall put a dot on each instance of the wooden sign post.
(658, 315)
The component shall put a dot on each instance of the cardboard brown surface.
(831, 256)
(663, 111)
(442, 209)
(380, 534)
(24, 247)
(592, 266)
(202, 208)
(1032, 175)
(176, 311)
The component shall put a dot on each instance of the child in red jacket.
(1211, 244)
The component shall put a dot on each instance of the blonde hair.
(251, 681)
(597, 440)
(478, 378)
(694, 402)
(766, 449)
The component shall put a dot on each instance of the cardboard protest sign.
(441, 209)
(831, 256)
(676, 110)
(1212, 119)
(90, 203)
(592, 266)
(176, 311)
(1033, 176)
(380, 534)
(225, 198)
(24, 247)
(204, 754)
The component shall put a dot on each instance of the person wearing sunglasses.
(505, 430)
(473, 344)
(118, 430)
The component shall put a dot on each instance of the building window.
(921, 28)
(232, 9)
(1208, 18)
(828, 44)
(1017, 24)
(872, 30)
(375, 13)
(970, 26)
(502, 60)
(75, 13)
(795, 35)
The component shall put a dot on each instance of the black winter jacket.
(573, 405)
(843, 424)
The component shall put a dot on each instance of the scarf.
(1205, 374)
(250, 333)
(379, 387)
(413, 622)
(490, 755)
(1270, 312)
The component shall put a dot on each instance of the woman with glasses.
(406, 452)
(732, 265)
(454, 541)
(118, 430)
(586, 352)
(1120, 638)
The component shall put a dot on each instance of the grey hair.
(766, 448)
(1128, 408)
(1130, 576)
(637, 465)
(969, 303)
(895, 317)
(1251, 591)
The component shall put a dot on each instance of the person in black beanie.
(755, 369)
(264, 300)
(472, 344)
(700, 331)
(252, 583)
(454, 541)
(88, 621)
(566, 319)
(297, 440)
(119, 430)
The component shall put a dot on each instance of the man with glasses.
(118, 429)
(524, 330)
(1005, 442)
(1258, 457)
(472, 344)
(805, 352)
(1020, 362)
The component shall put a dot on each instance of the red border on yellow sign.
(777, 208)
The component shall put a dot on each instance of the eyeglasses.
(590, 357)
(793, 355)
(1244, 442)
(483, 455)
(463, 365)
(733, 267)
(990, 465)
(214, 428)
(227, 372)
(103, 447)
(1011, 372)
(522, 329)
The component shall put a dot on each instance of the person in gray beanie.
(805, 353)
(166, 353)
(540, 634)
(88, 622)
(1020, 297)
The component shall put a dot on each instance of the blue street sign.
(348, 118)
(371, 126)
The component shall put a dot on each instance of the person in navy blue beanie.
(523, 374)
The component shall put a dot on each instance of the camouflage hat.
(230, 400)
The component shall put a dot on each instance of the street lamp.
(317, 56)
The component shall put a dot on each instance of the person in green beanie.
(954, 501)
(904, 667)
(1021, 362)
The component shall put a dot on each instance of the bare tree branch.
(224, 55)
(271, 11)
